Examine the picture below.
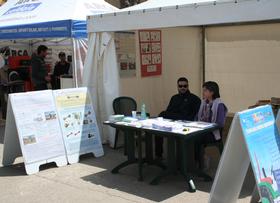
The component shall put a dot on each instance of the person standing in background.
(61, 68)
(39, 74)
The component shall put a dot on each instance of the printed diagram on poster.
(125, 47)
(78, 123)
(150, 52)
(263, 144)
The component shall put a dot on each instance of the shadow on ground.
(126, 179)
(13, 170)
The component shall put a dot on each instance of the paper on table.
(199, 124)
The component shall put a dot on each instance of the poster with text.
(126, 52)
(150, 52)
(263, 144)
(38, 125)
(78, 121)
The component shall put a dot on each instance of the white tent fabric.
(16, 12)
(51, 22)
(102, 79)
(161, 14)
(174, 13)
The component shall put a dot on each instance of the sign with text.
(78, 122)
(50, 126)
(32, 130)
(253, 138)
(38, 125)
(150, 52)
(263, 144)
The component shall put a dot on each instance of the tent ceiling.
(173, 13)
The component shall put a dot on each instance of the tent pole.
(203, 53)
(74, 71)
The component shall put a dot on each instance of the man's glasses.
(181, 86)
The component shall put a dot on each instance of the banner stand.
(253, 138)
(78, 123)
(12, 148)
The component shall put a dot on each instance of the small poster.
(150, 52)
(125, 48)
(78, 121)
(263, 144)
(38, 125)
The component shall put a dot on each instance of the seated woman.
(212, 110)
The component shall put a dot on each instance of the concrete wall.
(181, 49)
(245, 61)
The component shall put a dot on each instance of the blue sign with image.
(263, 144)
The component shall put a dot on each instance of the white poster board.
(33, 130)
(78, 123)
(254, 138)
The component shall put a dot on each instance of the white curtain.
(80, 47)
(101, 76)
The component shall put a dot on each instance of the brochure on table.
(254, 138)
(47, 126)
(78, 123)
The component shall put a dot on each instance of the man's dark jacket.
(182, 107)
(39, 70)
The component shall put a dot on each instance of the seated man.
(182, 106)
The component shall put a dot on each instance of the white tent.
(58, 24)
(158, 14)
(174, 13)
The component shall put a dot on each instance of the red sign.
(150, 52)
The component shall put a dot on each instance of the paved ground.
(91, 181)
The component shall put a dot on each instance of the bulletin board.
(150, 52)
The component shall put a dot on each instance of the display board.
(78, 123)
(33, 127)
(254, 138)
(50, 126)
(150, 52)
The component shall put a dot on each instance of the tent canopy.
(21, 19)
(173, 13)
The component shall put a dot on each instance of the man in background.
(61, 68)
(40, 76)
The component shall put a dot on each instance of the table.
(174, 160)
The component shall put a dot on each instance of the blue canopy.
(48, 18)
